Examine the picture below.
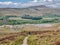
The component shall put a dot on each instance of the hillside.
(34, 10)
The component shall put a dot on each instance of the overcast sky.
(27, 3)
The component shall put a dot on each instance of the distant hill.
(41, 6)
(33, 10)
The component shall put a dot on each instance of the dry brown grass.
(57, 43)
(48, 38)
(8, 37)
(30, 11)
(54, 27)
(42, 36)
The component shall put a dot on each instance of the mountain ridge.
(34, 10)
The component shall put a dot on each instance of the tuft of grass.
(19, 40)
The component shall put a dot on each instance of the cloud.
(48, 0)
(35, 1)
(24, 5)
(48, 3)
(56, 5)
(42, 0)
(18, 5)
(7, 3)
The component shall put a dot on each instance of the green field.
(27, 19)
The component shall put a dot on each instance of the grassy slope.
(48, 38)
(10, 37)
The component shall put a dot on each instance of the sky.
(28, 3)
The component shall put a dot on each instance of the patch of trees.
(49, 15)
(31, 17)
